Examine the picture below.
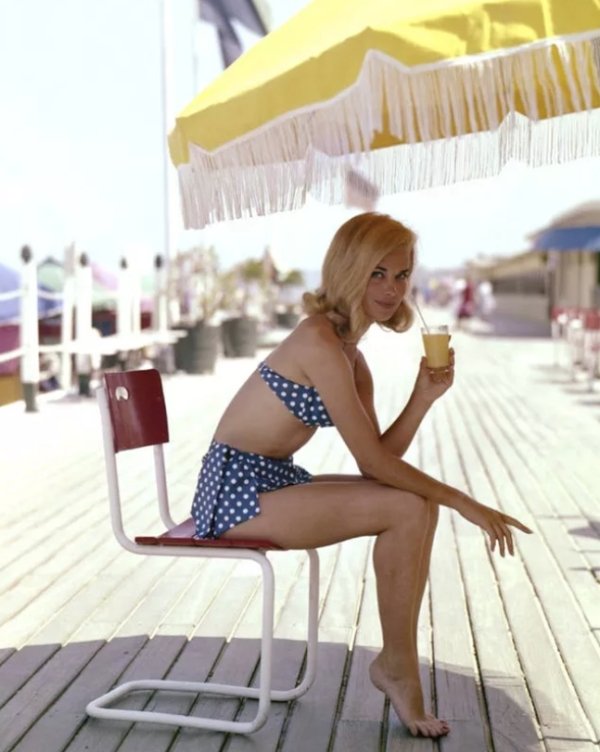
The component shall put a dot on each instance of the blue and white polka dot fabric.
(229, 483)
(302, 401)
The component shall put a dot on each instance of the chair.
(133, 415)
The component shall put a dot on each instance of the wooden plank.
(21, 666)
(289, 647)
(152, 607)
(236, 665)
(344, 594)
(193, 661)
(35, 697)
(568, 497)
(69, 619)
(287, 655)
(555, 701)
(65, 720)
(205, 586)
(5, 654)
(360, 725)
(312, 721)
(106, 618)
(228, 608)
(511, 714)
(578, 649)
(457, 682)
(575, 569)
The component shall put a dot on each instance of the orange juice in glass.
(436, 341)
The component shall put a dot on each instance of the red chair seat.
(182, 535)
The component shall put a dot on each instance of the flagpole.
(168, 114)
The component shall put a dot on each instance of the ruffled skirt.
(229, 484)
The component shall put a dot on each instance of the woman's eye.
(377, 275)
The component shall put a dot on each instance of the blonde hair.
(356, 249)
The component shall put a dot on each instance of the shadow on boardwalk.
(56, 683)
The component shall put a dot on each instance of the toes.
(432, 728)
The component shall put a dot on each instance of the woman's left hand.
(431, 383)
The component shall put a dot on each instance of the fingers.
(503, 535)
(497, 526)
(515, 523)
(441, 375)
(499, 532)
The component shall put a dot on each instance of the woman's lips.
(388, 305)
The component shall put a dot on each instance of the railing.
(76, 307)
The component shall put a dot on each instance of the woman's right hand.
(495, 523)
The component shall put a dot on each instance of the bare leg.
(322, 513)
(434, 514)
(395, 671)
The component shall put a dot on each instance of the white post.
(30, 360)
(68, 304)
(135, 282)
(124, 318)
(83, 323)
(159, 310)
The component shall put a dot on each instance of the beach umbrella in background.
(52, 274)
(575, 230)
(407, 95)
(105, 283)
(10, 310)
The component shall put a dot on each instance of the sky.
(82, 144)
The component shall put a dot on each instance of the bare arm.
(330, 372)
(349, 402)
(429, 386)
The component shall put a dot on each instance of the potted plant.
(245, 288)
(290, 286)
(200, 294)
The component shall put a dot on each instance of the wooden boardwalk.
(510, 648)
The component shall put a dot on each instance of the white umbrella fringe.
(272, 168)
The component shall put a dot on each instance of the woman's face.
(388, 285)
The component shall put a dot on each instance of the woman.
(249, 487)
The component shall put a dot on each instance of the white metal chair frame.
(98, 708)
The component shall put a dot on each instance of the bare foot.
(406, 697)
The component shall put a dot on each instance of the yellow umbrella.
(344, 79)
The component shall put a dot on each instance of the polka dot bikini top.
(302, 401)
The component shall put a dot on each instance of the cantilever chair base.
(133, 415)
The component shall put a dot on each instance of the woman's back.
(277, 409)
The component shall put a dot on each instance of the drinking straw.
(420, 315)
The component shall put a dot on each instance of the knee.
(412, 509)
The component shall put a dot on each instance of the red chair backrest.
(137, 409)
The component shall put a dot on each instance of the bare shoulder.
(315, 333)
(312, 345)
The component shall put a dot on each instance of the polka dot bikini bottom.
(229, 484)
